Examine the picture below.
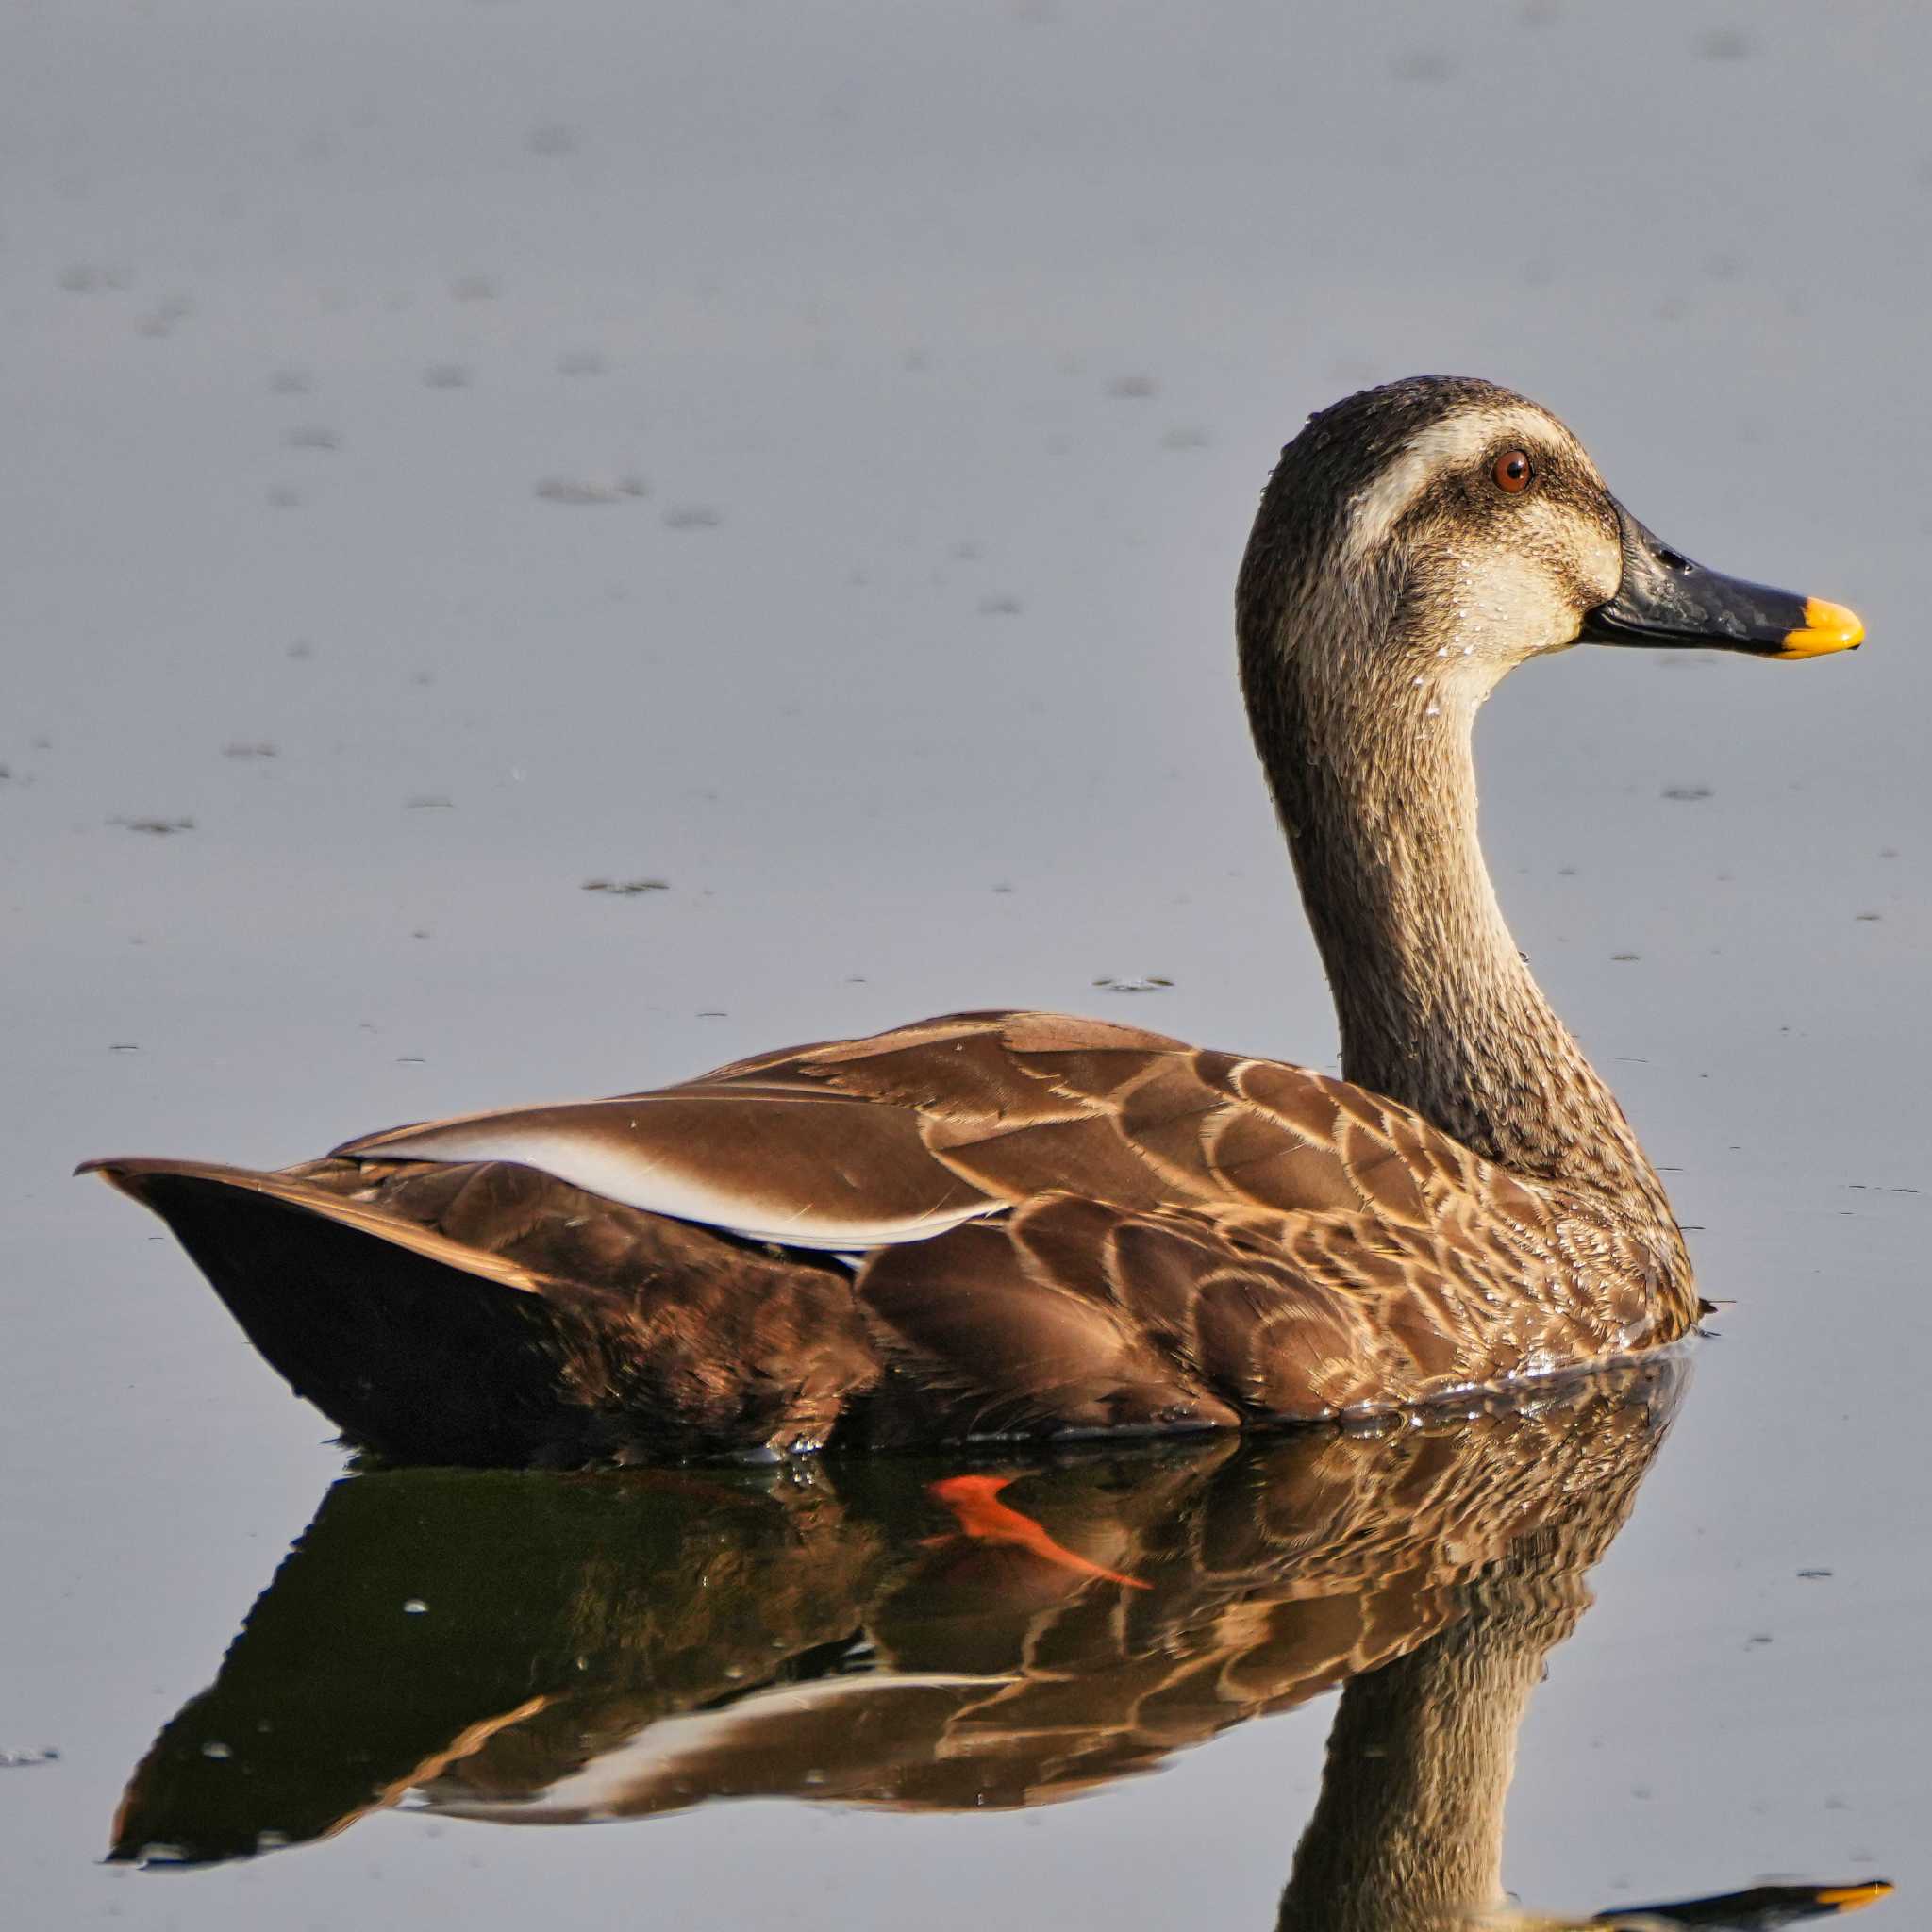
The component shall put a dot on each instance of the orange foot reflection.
(975, 1503)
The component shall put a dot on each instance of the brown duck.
(1016, 1224)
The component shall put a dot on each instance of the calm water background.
(950, 345)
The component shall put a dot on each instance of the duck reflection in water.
(885, 1632)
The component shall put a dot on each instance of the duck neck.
(1375, 786)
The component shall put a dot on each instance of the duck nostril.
(1673, 559)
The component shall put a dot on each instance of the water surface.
(457, 454)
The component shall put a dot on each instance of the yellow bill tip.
(1827, 628)
(1850, 1898)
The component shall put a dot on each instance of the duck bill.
(1666, 601)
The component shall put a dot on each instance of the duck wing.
(855, 1144)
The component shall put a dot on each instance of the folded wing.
(850, 1145)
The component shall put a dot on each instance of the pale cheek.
(1508, 611)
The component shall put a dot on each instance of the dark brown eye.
(1512, 471)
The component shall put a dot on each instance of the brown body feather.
(1164, 1238)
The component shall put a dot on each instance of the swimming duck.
(1017, 1224)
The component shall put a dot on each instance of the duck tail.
(411, 1342)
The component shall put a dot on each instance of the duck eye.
(1512, 471)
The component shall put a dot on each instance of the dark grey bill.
(1665, 599)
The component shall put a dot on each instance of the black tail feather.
(403, 1351)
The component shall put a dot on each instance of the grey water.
(545, 547)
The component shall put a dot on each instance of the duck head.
(1457, 528)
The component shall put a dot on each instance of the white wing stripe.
(650, 1182)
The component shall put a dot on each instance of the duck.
(1000, 1226)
